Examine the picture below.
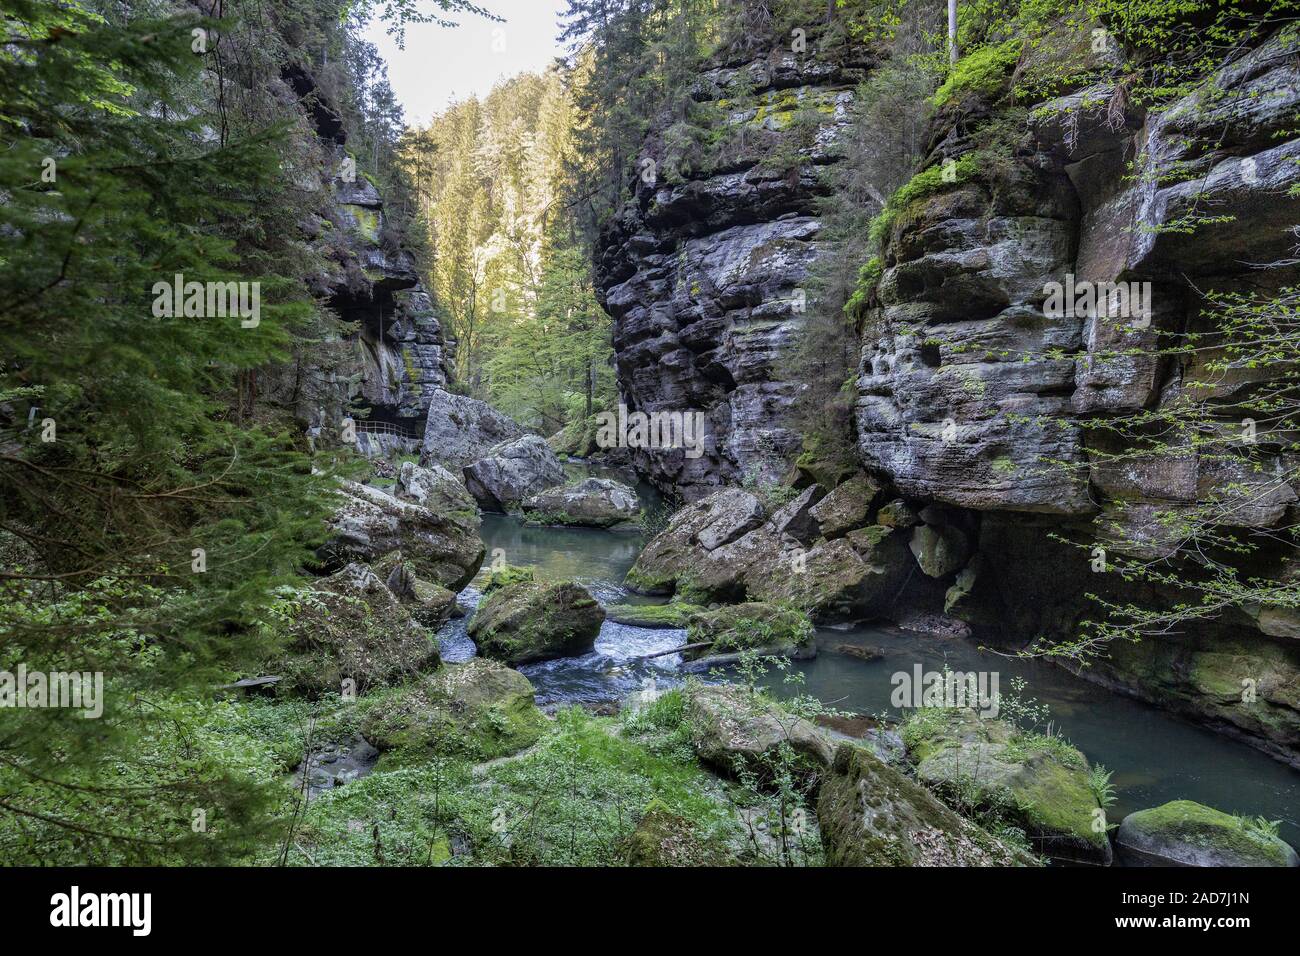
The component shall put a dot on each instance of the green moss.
(1198, 827)
(477, 710)
(982, 73)
(648, 581)
(507, 575)
(924, 184)
(868, 279)
(367, 222)
(1033, 781)
(675, 615)
(749, 626)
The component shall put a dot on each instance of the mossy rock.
(664, 838)
(478, 710)
(524, 622)
(350, 627)
(508, 574)
(773, 628)
(872, 815)
(1186, 833)
(846, 507)
(677, 614)
(736, 730)
(429, 604)
(1038, 783)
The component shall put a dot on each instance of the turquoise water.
(1154, 757)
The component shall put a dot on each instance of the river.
(1153, 756)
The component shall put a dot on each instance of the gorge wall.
(967, 385)
(703, 269)
(395, 353)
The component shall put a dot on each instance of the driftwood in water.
(676, 650)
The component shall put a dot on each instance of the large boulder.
(435, 488)
(480, 710)
(939, 550)
(429, 604)
(663, 838)
(592, 502)
(693, 532)
(460, 430)
(847, 506)
(855, 576)
(350, 627)
(1185, 833)
(737, 730)
(443, 547)
(722, 549)
(525, 622)
(769, 628)
(1039, 783)
(872, 815)
(512, 471)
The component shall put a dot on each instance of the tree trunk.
(952, 31)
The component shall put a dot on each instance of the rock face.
(480, 710)
(702, 271)
(513, 471)
(1039, 784)
(461, 430)
(592, 502)
(443, 547)
(872, 815)
(969, 385)
(349, 626)
(1185, 833)
(723, 549)
(524, 622)
(400, 352)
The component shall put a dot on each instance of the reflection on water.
(1154, 757)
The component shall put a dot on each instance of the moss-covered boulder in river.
(479, 710)
(770, 628)
(1186, 833)
(872, 815)
(722, 549)
(508, 574)
(524, 622)
(592, 503)
(349, 626)
(1041, 784)
(692, 532)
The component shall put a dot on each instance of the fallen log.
(676, 650)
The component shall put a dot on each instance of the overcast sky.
(441, 65)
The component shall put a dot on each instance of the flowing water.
(1154, 757)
